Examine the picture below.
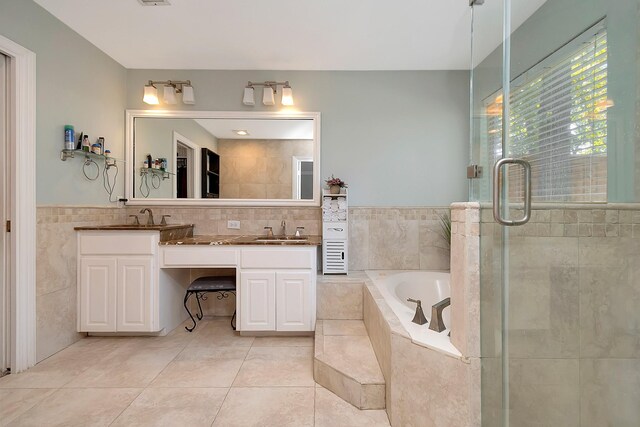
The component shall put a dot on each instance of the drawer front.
(114, 243)
(278, 258)
(336, 230)
(194, 256)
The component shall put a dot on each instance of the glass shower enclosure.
(555, 127)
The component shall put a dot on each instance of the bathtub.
(428, 286)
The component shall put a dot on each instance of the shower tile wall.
(574, 341)
(381, 238)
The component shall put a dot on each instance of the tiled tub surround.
(391, 238)
(424, 387)
(416, 234)
(574, 337)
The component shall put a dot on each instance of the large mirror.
(223, 158)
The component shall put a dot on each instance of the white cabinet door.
(134, 295)
(97, 294)
(293, 301)
(257, 301)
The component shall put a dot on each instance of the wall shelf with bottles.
(70, 154)
(162, 173)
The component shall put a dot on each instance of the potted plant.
(335, 184)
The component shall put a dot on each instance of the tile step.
(345, 363)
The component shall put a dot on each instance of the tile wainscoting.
(380, 238)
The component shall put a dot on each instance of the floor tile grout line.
(143, 389)
(234, 380)
(54, 391)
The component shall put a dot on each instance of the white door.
(97, 294)
(293, 301)
(4, 208)
(257, 301)
(134, 295)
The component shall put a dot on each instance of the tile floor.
(211, 377)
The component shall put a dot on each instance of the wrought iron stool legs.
(186, 298)
(200, 315)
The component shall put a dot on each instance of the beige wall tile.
(609, 392)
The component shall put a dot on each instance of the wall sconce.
(171, 88)
(268, 93)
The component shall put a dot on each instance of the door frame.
(22, 199)
(196, 162)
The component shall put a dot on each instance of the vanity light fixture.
(268, 96)
(269, 91)
(150, 94)
(287, 95)
(171, 88)
(170, 95)
(247, 98)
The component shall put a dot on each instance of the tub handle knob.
(419, 316)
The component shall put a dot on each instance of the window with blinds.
(558, 122)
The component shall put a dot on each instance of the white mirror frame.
(131, 115)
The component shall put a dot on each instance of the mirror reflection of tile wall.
(259, 169)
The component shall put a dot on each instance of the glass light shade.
(188, 97)
(170, 95)
(150, 95)
(268, 97)
(248, 98)
(287, 96)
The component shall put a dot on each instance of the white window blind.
(558, 122)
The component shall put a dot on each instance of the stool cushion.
(213, 284)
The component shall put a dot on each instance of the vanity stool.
(223, 285)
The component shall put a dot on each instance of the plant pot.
(334, 189)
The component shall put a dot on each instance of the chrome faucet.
(150, 219)
(437, 324)
(284, 228)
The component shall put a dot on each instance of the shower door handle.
(497, 211)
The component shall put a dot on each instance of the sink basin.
(275, 239)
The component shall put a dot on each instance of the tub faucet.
(419, 317)
(150, 219)
(284, 228)
(436, 315)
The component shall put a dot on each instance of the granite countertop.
(212, 240)
(130, 227)
(167, 231)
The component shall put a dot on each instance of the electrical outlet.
(235, 225)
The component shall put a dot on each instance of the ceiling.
(285, 34)
(259, 129)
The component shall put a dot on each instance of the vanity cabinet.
(275, 301)
(276, 284)
(117, 284)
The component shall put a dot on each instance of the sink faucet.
(150, 219)
(284, 228)
(437, 324)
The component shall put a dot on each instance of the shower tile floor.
(211, 377)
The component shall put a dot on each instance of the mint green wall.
(76, 84)
(554, 24)
(398, 138)
(155, 136)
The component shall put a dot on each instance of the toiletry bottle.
(86, 145)
(101, 142)
(69, 137)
